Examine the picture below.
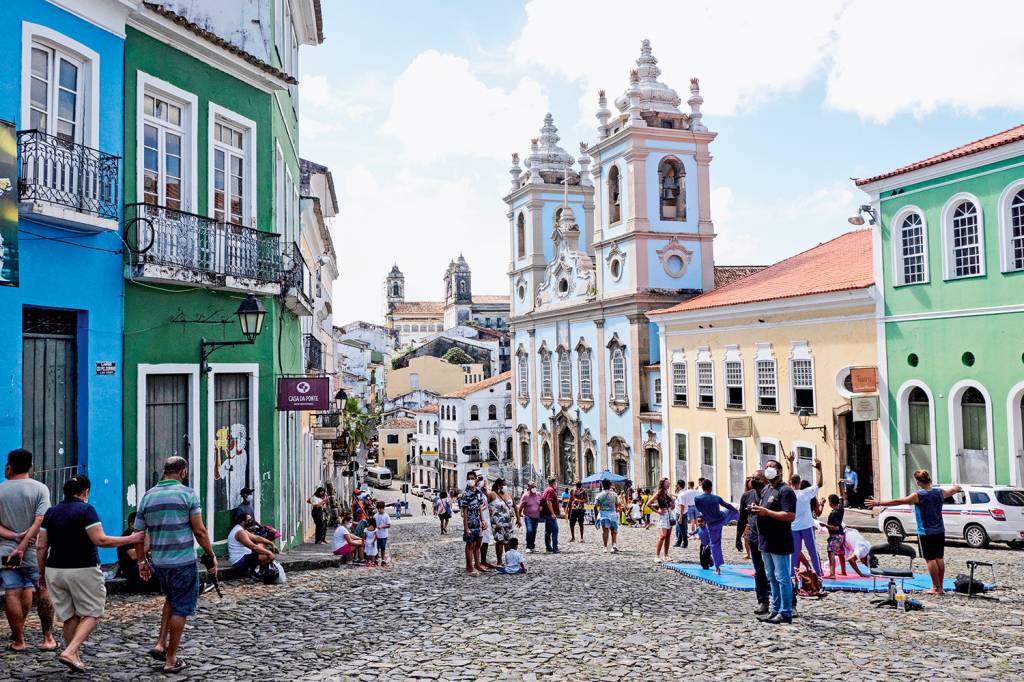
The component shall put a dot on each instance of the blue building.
(61, 309)
(593, 250)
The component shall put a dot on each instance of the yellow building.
(395, 437)
(432, 374)
(761, 368)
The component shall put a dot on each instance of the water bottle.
(901, 599)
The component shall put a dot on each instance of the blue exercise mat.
(741, 577)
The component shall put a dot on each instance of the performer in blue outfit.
(710, 506)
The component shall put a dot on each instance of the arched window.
(492, 448)
(618, 374)
(588, 462)
(521, 236)
(672, 189)
(524, 375)
(1015, 233)
(508, 410)
(396, 291)
(975, 423)
(546, 460)
(614, 195)
(545, 374)
(913, 258)
(564, 376)
(586, 382)
(964, 241)
(453, 413)
(474, 414)
(492, 413)
(475, 445)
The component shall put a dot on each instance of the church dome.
(547, 159)
(652, 95)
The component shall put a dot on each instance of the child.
(383, 522)
(513, 559)
(705, 544)
(635, 513)
(370, 538)
(345, 541)
(836, 537)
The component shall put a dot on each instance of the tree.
(457, 356)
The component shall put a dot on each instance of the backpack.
(965, 585)
(271, 575)
(810, 583)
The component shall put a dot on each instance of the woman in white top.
(487, 536)
(247, 551)
(803, 523)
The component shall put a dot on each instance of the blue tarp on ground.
(741, 577)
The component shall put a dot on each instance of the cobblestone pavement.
(580, 614)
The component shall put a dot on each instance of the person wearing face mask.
(748, 524)
(529, 509)
(471, 503)
(775, 512)
(850, 485)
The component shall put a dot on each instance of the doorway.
(919, 448)
(858, 454)
(737, 477)
(651, 459)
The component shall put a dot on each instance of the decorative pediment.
(570, 276)
(675, 258)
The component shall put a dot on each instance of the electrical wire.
(64, 241)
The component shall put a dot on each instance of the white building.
(424, 448)
(477, 417)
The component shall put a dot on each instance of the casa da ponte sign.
(296, 394)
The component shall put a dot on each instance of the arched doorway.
(919, 436)
(567, 456)
(546, 460)
(972, 457)
(651, 457)
(588, 463)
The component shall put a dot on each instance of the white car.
(978, 515)
(420, 490)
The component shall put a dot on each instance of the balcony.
(170, 246)
(312, 353)
(66, 184)
(297, 284)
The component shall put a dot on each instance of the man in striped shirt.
(170, 515)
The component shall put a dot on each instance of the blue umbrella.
(605, 475)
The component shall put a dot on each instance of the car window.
(955, 500)
(1011, 498)
(979, 497)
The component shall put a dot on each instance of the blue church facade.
(61, 307)
(597, 241)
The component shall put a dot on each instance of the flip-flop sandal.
(75, 667)
(178, 666)
(157, 655)
(10, 647)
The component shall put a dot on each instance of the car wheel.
(893, 527)
(976, 536)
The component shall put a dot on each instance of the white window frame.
(1006, 225)
(564, 375)
(714, 452)
(948, 258)
(546, 378)
(762, 354)
(896, 246)
(675, 449)
(219, 114)
(801, 352)
(150, 85)
(773, 441)
(621, 353)
(704, 360)
(796, 455)
(656, 391)
(524, 374)
(281, 215)
(679, 361)
(253, 370)
(89, 73)
(956, 427)
(732, 357)
(586, 372)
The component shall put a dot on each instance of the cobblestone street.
(581, 615)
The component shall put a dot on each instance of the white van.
(977, 515)
(378, 477)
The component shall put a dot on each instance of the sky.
(416, 107)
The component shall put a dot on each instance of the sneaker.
(529, 551)
(615, 549)
(604, 549)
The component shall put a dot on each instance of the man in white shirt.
(682, 539)
(383, 522)
(689, 497)
(803, 522)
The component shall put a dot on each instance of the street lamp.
(858, 219)
(250, 318)
(805, 417)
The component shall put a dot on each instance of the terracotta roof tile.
(428, 409)
(212, 37)
(505, 300)
(842, 264)
(727, 274)
(399, 423)
(486, 383)
(435, 307)
(1015, 134)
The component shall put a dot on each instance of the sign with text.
(864, 379)
(741, 427)
(8, 205)
(865, 408)
(325, 433)
(303, 393)
(106, 367)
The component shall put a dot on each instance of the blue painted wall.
(80, 272)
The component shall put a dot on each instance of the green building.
(212, 215)
(949, 250)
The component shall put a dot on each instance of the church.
(597, 241)
(415, 321)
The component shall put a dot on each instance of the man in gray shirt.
(23, 501)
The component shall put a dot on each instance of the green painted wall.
(995, 340)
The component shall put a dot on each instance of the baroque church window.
(545, 374)
(618, 374)
(614, 195)
(521, 236)
(672, 189)
(564, 376)
(586, 383)
(524, 375)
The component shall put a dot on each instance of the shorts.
(382, 544)
(471, 536)
(24, 576)
(444, 516)
(609, 522)
(665, 522)
(344, 550)
(180, 585)
(932, 546)
(576, 516)
(247, 563)
(691, 513)
(837, 544)
(76, 592)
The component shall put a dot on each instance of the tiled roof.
(504, 300)
(727, 274)
(1015, 134)
(319, 14)
(486, 383)
(212, 37)
(434, 307)
(399, 423)
(842, 264)
(428, 409)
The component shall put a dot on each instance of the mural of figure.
(231, 444)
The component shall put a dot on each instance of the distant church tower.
(394, 289)
(458, 293)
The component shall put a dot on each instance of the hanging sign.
(864, 379)
(865, 408)
(303, 393)
(8, 205)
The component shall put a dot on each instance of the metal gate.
(167, 422)
(49, 395)
(737, 479)
(231, 423)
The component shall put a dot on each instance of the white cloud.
(918, 55)
(441, 109)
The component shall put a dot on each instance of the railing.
(54, 479)
(73, 175)
(168, 237)
(313, 353)
(296, 274)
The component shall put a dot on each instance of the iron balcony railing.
(177, 239)
(296, 274)
(313, 352)
(57, 171)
